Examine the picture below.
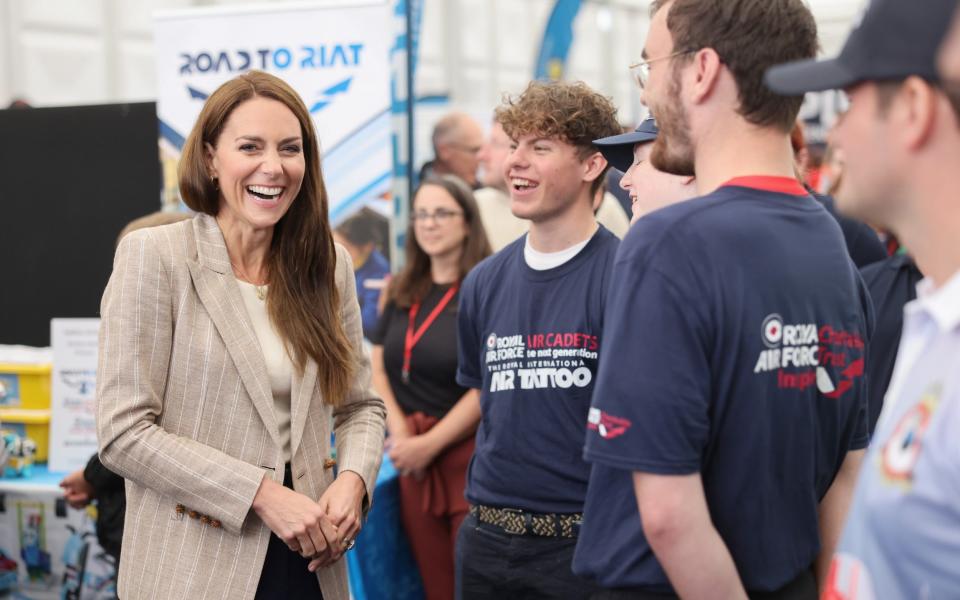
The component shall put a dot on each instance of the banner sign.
(334, 54)
(557, 39)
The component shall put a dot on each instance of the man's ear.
(706, 74)
(443, 152)
(916, 112)
(593, 166)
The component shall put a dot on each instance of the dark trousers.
(803, 587)
(285, 573)
(494, 565)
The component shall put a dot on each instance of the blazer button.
(193, 514)
(215, 524)
(205, 519)
(329, 463)
(180, 509)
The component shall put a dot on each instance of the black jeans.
(494, 565)
(285, 573)
(803, 587)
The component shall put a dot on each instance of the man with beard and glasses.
(901, 136)
(730, 388)
(530, 336)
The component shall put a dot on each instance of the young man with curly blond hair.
(530, 334)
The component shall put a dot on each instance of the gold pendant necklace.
(261, 290)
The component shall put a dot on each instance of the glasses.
(641, 70)
(439, 216)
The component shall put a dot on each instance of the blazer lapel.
(301, 392)
(220, 296)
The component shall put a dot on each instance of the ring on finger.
(349, 544)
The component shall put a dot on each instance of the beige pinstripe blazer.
(185, 414)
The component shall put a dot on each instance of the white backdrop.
(334, 54)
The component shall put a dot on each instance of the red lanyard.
(414, 337)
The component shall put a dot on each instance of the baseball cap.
(618, 149)
(894, 40)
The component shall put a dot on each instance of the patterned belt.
(518, 522)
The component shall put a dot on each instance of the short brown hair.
(571, 112)
(303, 303)
(887, 91)
(750, 36)
(414, 281)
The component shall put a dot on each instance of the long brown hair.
(414, 281)
(303, 304)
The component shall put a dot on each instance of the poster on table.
(48, 550)
(73, 430)
(335, 54)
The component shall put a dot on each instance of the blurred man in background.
(359, 235)
(456, 140)
(493, 199)
(862, 242)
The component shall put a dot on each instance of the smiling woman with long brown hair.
(229, 344)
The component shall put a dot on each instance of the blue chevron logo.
(328, 95)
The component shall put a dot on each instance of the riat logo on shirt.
(541, 361)
(901, 451)
(804, 354)
(607, 425)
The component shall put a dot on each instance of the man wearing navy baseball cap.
(649, 188)
(901, 137)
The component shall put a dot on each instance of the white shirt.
(542, 261)
(279, 365)
(503, 227)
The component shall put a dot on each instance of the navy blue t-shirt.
(736, 329)
(891, 283)
(530, 342)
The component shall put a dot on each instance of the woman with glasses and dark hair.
(431, 419)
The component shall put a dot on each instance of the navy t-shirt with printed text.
(530, 341)
(737, 326)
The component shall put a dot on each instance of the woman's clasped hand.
(319, 530)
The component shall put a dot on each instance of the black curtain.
(70, 179)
